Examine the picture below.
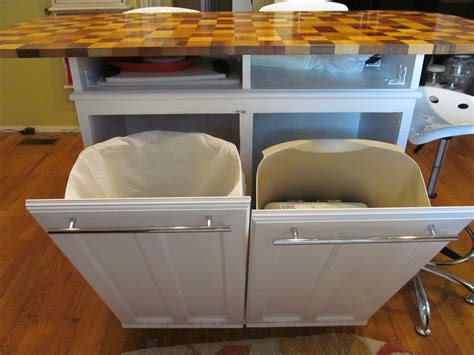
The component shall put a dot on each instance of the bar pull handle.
(207, 228)
(296, 240)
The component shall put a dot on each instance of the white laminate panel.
(337, 284)
(158, 279)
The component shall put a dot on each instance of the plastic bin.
(310, 267)
(375, 173)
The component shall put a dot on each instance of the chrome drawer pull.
(208, 228)
(363, 240)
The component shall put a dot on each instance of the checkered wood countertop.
(227, 33)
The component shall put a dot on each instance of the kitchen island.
(258, 107)
(144, 257)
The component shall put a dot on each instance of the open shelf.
(91, 71)
(371, 78)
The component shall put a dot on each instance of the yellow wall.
(32, 90)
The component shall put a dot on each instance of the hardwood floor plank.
(22, 287)
(114, 336)
(93, 321)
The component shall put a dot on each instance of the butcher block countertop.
(227, 33)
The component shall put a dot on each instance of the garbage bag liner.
(349, 64)
(157, 164)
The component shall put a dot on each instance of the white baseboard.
(44, 128)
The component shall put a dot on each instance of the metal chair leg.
(469, 298)
(460, 259)
(437, 165)
(423, 307)
(453, 278)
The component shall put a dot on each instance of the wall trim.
(44, 128)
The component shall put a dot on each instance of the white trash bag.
(157, 164)
(350, 64)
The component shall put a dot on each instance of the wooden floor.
(47, 308)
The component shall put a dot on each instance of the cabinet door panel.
(160, 279)
(338, 283)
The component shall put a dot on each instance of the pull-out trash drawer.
(157, 223)
(338, 266)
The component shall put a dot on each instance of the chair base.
(424, 332)
(423, 307)
(469, 298)
(423, 302)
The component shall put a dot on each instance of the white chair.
(158, 10)
(313, 1)
(441, 114)
(304, 5)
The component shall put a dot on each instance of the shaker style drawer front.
(160, 262)
(339, 267)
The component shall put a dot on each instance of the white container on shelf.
(459, 72)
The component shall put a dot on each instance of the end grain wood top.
(227, 33)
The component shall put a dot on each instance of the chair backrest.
(158, 10)
(304, 5)
(313, 1)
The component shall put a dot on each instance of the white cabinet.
(155, 278)
(334, 282)
(193, 276)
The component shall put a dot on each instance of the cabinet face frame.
(244, 101)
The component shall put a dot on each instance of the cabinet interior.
(245, 75)
(223, 126)
(371, 77)
(275, 128)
